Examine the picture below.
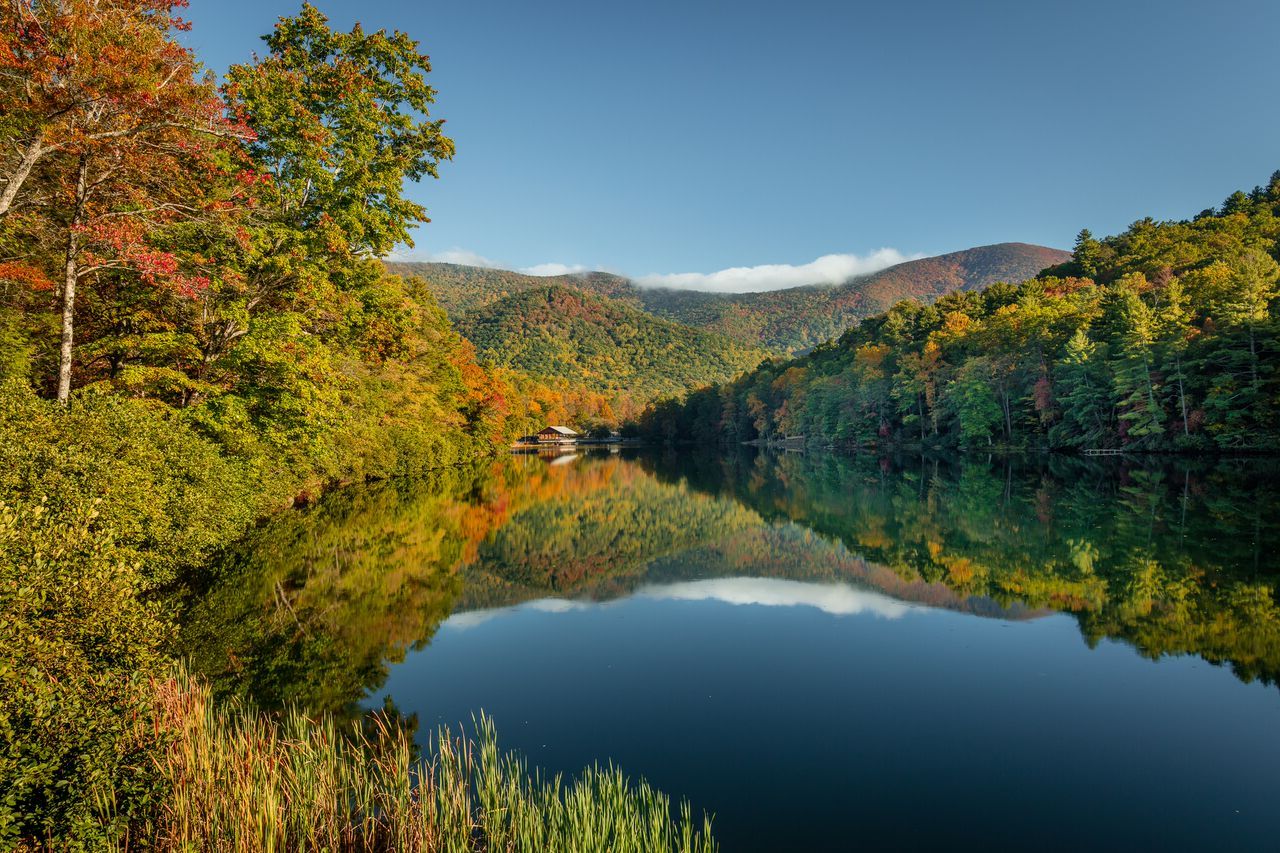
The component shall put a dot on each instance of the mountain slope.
(461, 290)
(602, 344)
(1165, 337)
(781, 320)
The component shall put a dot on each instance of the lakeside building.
(558, 435)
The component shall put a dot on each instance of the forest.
(602, 345)
(778, 321)
(196, 331)
(1163, 338)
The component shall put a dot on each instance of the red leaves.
(1042, 394)
(128, 249)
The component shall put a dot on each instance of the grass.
(240, 780)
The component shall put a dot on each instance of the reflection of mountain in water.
(615, 527)
(1172, 558)
(313, 606)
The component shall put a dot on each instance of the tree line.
(1164, 337)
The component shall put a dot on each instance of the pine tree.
(1082, 386)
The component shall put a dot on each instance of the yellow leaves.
(792, 377)
(956, 323)
(960, 569)
(869, 360)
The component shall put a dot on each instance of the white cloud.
(463, 257)
(828, 269)
(553, 269)
(468, 258)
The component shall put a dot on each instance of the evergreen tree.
(1082, 386)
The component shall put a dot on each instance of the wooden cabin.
(557, 435)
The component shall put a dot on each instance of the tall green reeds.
(244, 781)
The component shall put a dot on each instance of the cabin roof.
(562, 430)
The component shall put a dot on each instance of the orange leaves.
(23, 273)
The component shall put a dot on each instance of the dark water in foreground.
(825, 652)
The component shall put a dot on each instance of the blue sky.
(690, 137)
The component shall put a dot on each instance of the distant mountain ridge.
(785, 320)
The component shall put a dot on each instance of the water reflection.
(832, 599)
(1171, 558)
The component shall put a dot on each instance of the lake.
(825, 652)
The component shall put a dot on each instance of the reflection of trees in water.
(1170, 558)
(311, 607)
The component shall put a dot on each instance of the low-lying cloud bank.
(553, 269)
(462, 257)
(467, 258)
(828, 269)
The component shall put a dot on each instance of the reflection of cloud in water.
(472, 618)
(836, 599)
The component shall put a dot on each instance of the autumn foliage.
(195, 330)
(1165, 337)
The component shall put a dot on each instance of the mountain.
(800, 318)
(461, 290)
(601, 344)
(787, 320)
(1165, 337)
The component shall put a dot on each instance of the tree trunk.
(1182, 398)
(1253, 361)
(20, 172)
(70, 277)
(1151, 390)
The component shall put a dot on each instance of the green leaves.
(341, 122)
(602, 344)
(1173, 344)
(103, 503)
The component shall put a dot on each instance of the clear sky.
(687, 137)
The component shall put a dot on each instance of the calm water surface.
(824, 652)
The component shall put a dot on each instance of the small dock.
(789, 443)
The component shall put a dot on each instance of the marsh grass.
(240, 780)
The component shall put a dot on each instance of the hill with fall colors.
(601, 344)
(1163, 337)
(787, 320)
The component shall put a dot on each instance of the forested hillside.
(1165, 337)
(800, 318)
(602, 345)
(461, 289)
(780, 320)
(195, 331)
